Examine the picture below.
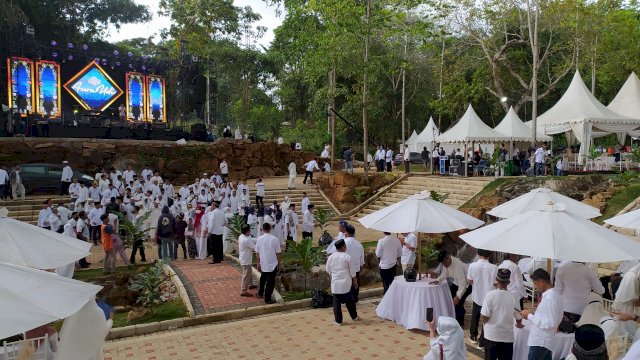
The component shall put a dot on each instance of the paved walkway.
(213, 287)
(306, 334)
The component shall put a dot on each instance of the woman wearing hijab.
(198, 229)
(447, 343)
(594, 313)
(589, 344)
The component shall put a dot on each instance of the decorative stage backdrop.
(136, 96)
(48, 100)
(156, 105)
(20, 79)
(91, 87)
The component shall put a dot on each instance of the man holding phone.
(343, 273)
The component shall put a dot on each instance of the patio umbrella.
(630, 220)
(554, 233)
(419, 213)
(538, 199)
(32, 246)
(31, 298)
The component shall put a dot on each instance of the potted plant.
(322, 218)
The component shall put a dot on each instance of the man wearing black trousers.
(343, 277)
(455, 272)
(388, 250)
(482, 275)
(216, 223)
(268, 252)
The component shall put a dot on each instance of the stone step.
(416, 186)
(408, 192)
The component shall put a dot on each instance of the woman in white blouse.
(447, 343)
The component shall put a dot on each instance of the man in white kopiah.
(293, 172)
(67, 175)
(341, 235)
(481, 276)
(343, 277)
(575, 281)
(409, 243)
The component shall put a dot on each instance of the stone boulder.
(136, 314)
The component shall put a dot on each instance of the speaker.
(199, 132)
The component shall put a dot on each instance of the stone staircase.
(28, 209)
(296, 197)
(460, 190)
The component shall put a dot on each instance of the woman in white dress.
(447, 343)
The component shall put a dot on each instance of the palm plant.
(148, 285)
(235, 225)
(437, 196)
(135, 231)
(322, 218)
(305, 256)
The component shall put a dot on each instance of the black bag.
(321, 299)
(325, 239)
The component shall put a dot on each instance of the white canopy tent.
(411, 138)
(469, 129)
(513, 127)
(426, 138)
(578, 110)
(31, 298)
(627, 103)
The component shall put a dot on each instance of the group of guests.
(570, 302)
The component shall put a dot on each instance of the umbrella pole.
(549, 266)
(419, 257)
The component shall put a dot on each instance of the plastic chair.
(532, 292)
(617, 346)
(13, 350)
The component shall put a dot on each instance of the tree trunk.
(533, 38)
(365, 114)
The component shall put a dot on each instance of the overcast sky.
(269, 19)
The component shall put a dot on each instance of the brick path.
(213, 288)
(306, 334)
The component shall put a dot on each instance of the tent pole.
(419, 256)
(466, 160)
(549, 267)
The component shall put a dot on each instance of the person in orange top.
(107, 244)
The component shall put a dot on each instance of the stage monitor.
(156, 104)
(136, 96)
(93, 88)
(48, 102)
(21, 84)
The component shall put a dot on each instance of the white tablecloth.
(407, 303)
(561, 347)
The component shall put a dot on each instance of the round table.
(560, 348)
(406, 303)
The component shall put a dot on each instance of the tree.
(304, 255)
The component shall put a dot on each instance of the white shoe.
(337, 323)
(357, 318)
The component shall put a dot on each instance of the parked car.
(46, 177)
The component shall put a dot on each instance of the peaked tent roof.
(627, 101)
(516, 130)
(427, 134)
(471, 128)
(411, 138)
(577, 104)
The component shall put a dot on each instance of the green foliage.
(593, 153)
(359, 195)
(235, 225)
(148, 284)
(635, 154)
(166, 311)
(135, 231)
(322, 217)
(437, 196)
(305, 256)
(626, 178)
(429, 252)
(313, 137)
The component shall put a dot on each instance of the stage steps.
(460, 190)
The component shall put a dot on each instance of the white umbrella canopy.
(554, 233)
(538, 199)
(419, 213)
(31, 298)
(32, 246)
(630, 220)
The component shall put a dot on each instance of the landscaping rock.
(136, 314)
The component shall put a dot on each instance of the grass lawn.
(295, 295)
(90, 274)
(166, 311)
(620, 199)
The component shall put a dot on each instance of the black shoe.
(270, 302)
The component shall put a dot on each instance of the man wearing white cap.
(67, 175)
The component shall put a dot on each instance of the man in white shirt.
(409, 243)
(406, 157)
(268, 252)
(309, 168)
(259, 193)
(539, 160)
(547, 318)
(83, 195)
(498, 313)
(215, 227)
(343, 275)
(307, 223)
(290, 224)
(305, 202)
(224, 170)
(293, 172)
(128, 174)
(516, 284)
(95, 192)
(95, 222)
(388, 158)
(65, 214)
(454, 271)
(481, 275)
(43, 215)
(104, 183)
(15, 180)
(55, 224)
(356, 251)
(574, 282)
(342, 224)
(246, 245)
(82, 233)
(74, 187)
(67, 175)
(388, 250)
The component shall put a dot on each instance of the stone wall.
(176, 162)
